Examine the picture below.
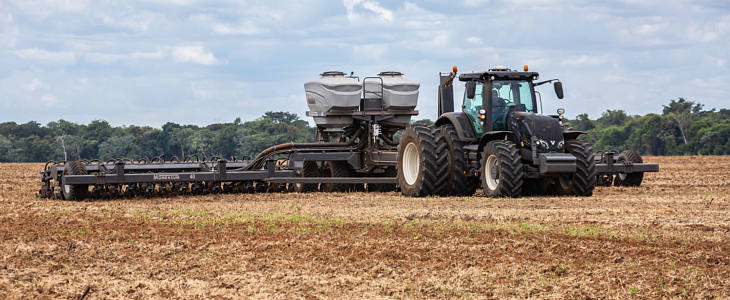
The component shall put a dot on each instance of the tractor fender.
(572, 134)
(493, 136)
(461, 122)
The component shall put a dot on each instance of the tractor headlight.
(542, 144)
(561, 144)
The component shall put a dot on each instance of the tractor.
(501, 142)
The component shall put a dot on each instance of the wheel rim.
(492, 172)
(411, 163)
(565, 183)
(622, 176)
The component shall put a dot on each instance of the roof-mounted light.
(525, 68)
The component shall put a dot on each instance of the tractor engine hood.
(547, 132)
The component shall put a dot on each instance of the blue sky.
(200, 62)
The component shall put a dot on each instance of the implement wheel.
(310, 170)
(384, 187)
(629, 179)
(336, 168)
(75, 192)
(422, 164)
(501, 170)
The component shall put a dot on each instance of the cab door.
(472, 106)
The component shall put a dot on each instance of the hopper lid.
(332, 73)
(390, 73)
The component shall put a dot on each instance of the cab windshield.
(507, 95)
(517, 93)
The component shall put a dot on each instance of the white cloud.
(381, 13)
(194, 54)
(371, 51)
(41, 55)
(173, 2)
(583, 60)
(474, 40)
(246, 28)
(48, 100)
(475, 2)
(110, 58)
(45, 8)
(8, 30)
(137, 21)
(34, 85)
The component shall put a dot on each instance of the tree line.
(63, 140)
(683, 128)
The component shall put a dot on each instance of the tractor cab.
(490, 96)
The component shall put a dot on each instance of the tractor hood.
(546, 130)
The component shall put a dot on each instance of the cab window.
(473, 105)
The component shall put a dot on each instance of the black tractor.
(498, 140)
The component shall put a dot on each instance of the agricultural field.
(668, 238)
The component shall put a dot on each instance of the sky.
(202, 62)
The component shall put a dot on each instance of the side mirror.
(558, 89)
(471, 87)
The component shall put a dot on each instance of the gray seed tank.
(332, 91)
(398, 94)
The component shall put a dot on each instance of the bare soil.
(668, 238)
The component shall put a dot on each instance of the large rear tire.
(421, 164)
(75, 192)
(629, 179)
(501, 170)
(459, 180)
(584, 178)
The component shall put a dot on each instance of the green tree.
(683, 112)
(119, 147)
(582, 123)
(5, 147)
(421, 122)
(612, 118)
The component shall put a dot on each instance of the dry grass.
(668, 238)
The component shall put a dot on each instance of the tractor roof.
(498, 74)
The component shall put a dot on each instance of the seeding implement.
(497, 141)
(355, 150)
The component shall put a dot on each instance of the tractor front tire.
(421, 163)
(629, 179)
(584, 178)
(501, 170)
(74, 192)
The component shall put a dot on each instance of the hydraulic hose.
(258, 161)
